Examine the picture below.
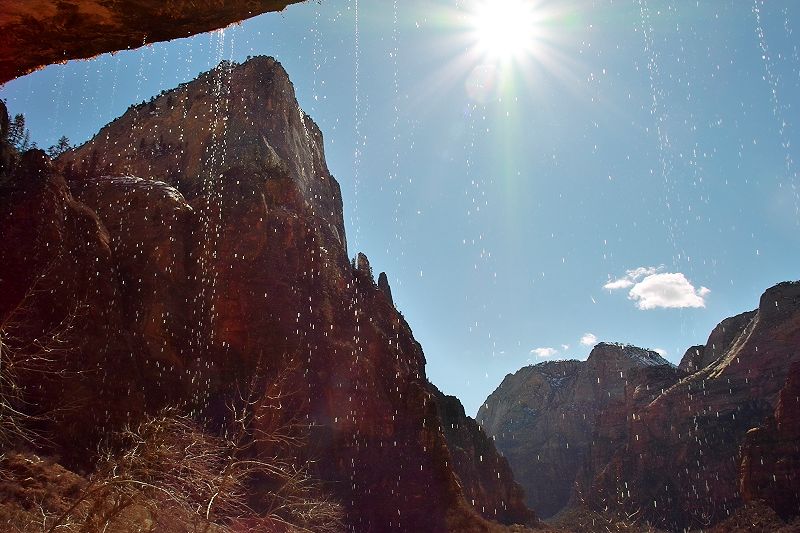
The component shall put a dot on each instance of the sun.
(505, 29)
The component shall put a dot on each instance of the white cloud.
(544, 352)
(651, 288)
(660, 351)
(641, 272)
(589, 339)
(565, 347)
(667, 290)
(618, 284)
(631, 277)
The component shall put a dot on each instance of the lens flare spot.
(481, 83)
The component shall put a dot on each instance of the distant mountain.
(194, 254)
(628, 433)
(544, 418)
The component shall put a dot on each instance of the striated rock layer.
(203, 234)
(672, 447)
(36, 33)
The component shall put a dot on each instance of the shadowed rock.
(383, 285)
(770, 467)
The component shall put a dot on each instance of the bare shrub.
(171, 475)
(165, 474)
(24, 352)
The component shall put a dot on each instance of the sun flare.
(505, 29)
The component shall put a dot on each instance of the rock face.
(665, 445)
(719, 342)
(61, 315)
(485, 476)
(209, 245)
(770, 467)
(545, 417)
(684, 470)
(383, 285)
(35, 33)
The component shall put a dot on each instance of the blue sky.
(624, 171)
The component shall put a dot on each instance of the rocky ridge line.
(674, 447)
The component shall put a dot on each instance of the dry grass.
(584, 520)
(169, 476)
(166, 473)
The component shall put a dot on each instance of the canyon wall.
(674, 447)
(202, 236)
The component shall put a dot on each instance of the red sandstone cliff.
(770, 465)
(675, 449)
(549, 419)
(684, 469)
(36, 33)
(208, 246)
(485, 476)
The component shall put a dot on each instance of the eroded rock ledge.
(36, 33)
